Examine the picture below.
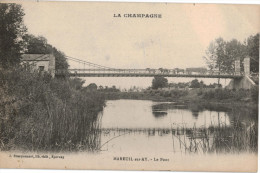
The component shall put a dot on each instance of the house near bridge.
(40, 62)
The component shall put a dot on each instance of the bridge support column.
(245, 82)
(241, 83)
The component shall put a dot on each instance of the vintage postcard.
(129, 86)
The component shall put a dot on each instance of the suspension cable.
(88, 63)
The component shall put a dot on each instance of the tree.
(12, 30)
(39, 45)
(92, 87)
(202, 85)
(215, 55)
(195, 84)
(234, 50)
(252, 48)
(159, 82)
(221, 55)
(100, 87)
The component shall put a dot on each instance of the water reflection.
(159, 114)
(159, 111)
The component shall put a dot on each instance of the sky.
(88, 31)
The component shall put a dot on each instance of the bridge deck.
(92, 74)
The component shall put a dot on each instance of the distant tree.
(195, 84)
(114, 89)
(214, 85)
(159, 82)
(252, 48)
(92, 87)
(12, 30)
(183, 84)
(202, 85)
(100, 87)
(161, 70)
(179, 85)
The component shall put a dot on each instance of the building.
(40, 62)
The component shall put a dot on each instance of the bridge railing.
(143, 71)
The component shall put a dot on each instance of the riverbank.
(39, 113)
(226, 97)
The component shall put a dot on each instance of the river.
(143, 126)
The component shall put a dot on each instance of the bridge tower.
(237, 67)
(247, 66)
(244, 82)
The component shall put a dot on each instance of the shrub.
(178, 93)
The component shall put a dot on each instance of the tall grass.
(225, 94)
(41, 113)
(222, 139)
(219, 139)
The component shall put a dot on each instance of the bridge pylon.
(245, 82)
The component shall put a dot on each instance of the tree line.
(38, 112)
(221, 54)
(162, 82)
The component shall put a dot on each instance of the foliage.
(179, 85)
(233, 50)
(159, 82)
(76, 83)
(178, 93)
(108, 89)
(39, 45)
(221, 54)
(12, 29)
(215, 54)
(225, 94)
(195, 84)
(38, 112)
(92, 87)
(252, 47)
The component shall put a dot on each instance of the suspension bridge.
(88, 69)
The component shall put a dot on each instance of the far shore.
(193, 96)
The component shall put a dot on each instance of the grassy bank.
(217, 96)
(38, 112)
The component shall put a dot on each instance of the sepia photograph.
(129, 86)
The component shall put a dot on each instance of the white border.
(257, 2)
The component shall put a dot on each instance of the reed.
(222, 139)
(215, 139)
(42, 113)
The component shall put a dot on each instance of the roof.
(36, 57)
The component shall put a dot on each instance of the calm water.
(161, 127)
